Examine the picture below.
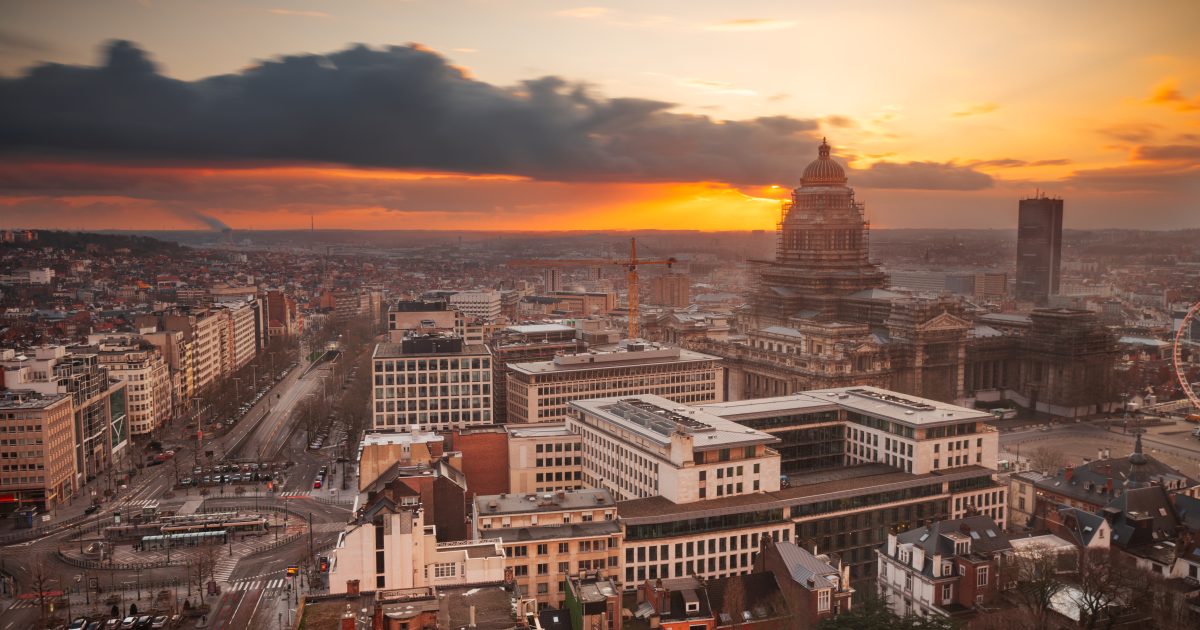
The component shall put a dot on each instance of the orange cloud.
(1168, 93)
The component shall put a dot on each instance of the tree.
(871, 612)
(1104, 589)
(1047, 460)
(41, 581)
(1037, 583)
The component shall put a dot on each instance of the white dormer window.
(693, 607)
(947, 568)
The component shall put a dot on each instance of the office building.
(543, 457)
(482, 304)
(671, 289)
(101, 430)
(141, 366)
(431, 382)
(552, 536)
(648, 446)
(846, 491)
(1039, 248)
(39, 454)
(541, 391)
(524, 344)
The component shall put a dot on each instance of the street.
(263, 432)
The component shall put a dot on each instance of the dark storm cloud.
(400, 107)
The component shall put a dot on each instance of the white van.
(1196, 432)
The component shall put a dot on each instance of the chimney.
(472, 616)
(1108, 486)
(1068, 473)
(1107, 453)
(349, 621)
(1099, 454)
(352, 588)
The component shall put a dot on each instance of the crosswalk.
(296, 493)
(139, 503)
(224, 569)
(250, 585)
(25, 603)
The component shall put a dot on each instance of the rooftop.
(382, 438)
(902, 408)
(657, 418)
(539, 329)
(555, 532)
(842, 483)
(538, 430)
(519, 503)
(395, 350)
(20, 399)
(645, 353)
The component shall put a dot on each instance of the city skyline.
(551, 116)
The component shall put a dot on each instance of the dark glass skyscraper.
(1039, 248)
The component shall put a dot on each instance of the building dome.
(823, 171)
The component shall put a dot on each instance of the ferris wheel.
(1180, 371)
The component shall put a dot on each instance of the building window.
(907, 581)
(823, 599)
(445, 570)
(947, 593)
(981, 575)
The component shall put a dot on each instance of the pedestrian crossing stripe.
(252, 585)
(139, 503)
(24, 603)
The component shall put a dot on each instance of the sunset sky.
(538, 115)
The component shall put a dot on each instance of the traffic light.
(292, 570)
(324, 564)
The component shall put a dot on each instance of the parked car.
(159, 622)
(91, 509)
(127, 623)
(112, 624)
(78, 624)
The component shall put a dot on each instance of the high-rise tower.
(821, 252)
(1039, 248)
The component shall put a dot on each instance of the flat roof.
(530, 329)
(902, 408)
(394, 350)
(396, 437)
(538, 429)
(595, 360)
(658, 418)
(742, 409)
(521, 503)
(843, 483)
(553, 532)
(28, 399)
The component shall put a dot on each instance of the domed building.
(820, 315)
(821, 251)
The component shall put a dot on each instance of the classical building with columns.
(821, 315)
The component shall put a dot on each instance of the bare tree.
(1104, 588)
(1037, 581)
(1047, 460)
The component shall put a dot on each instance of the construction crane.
(631, 268)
